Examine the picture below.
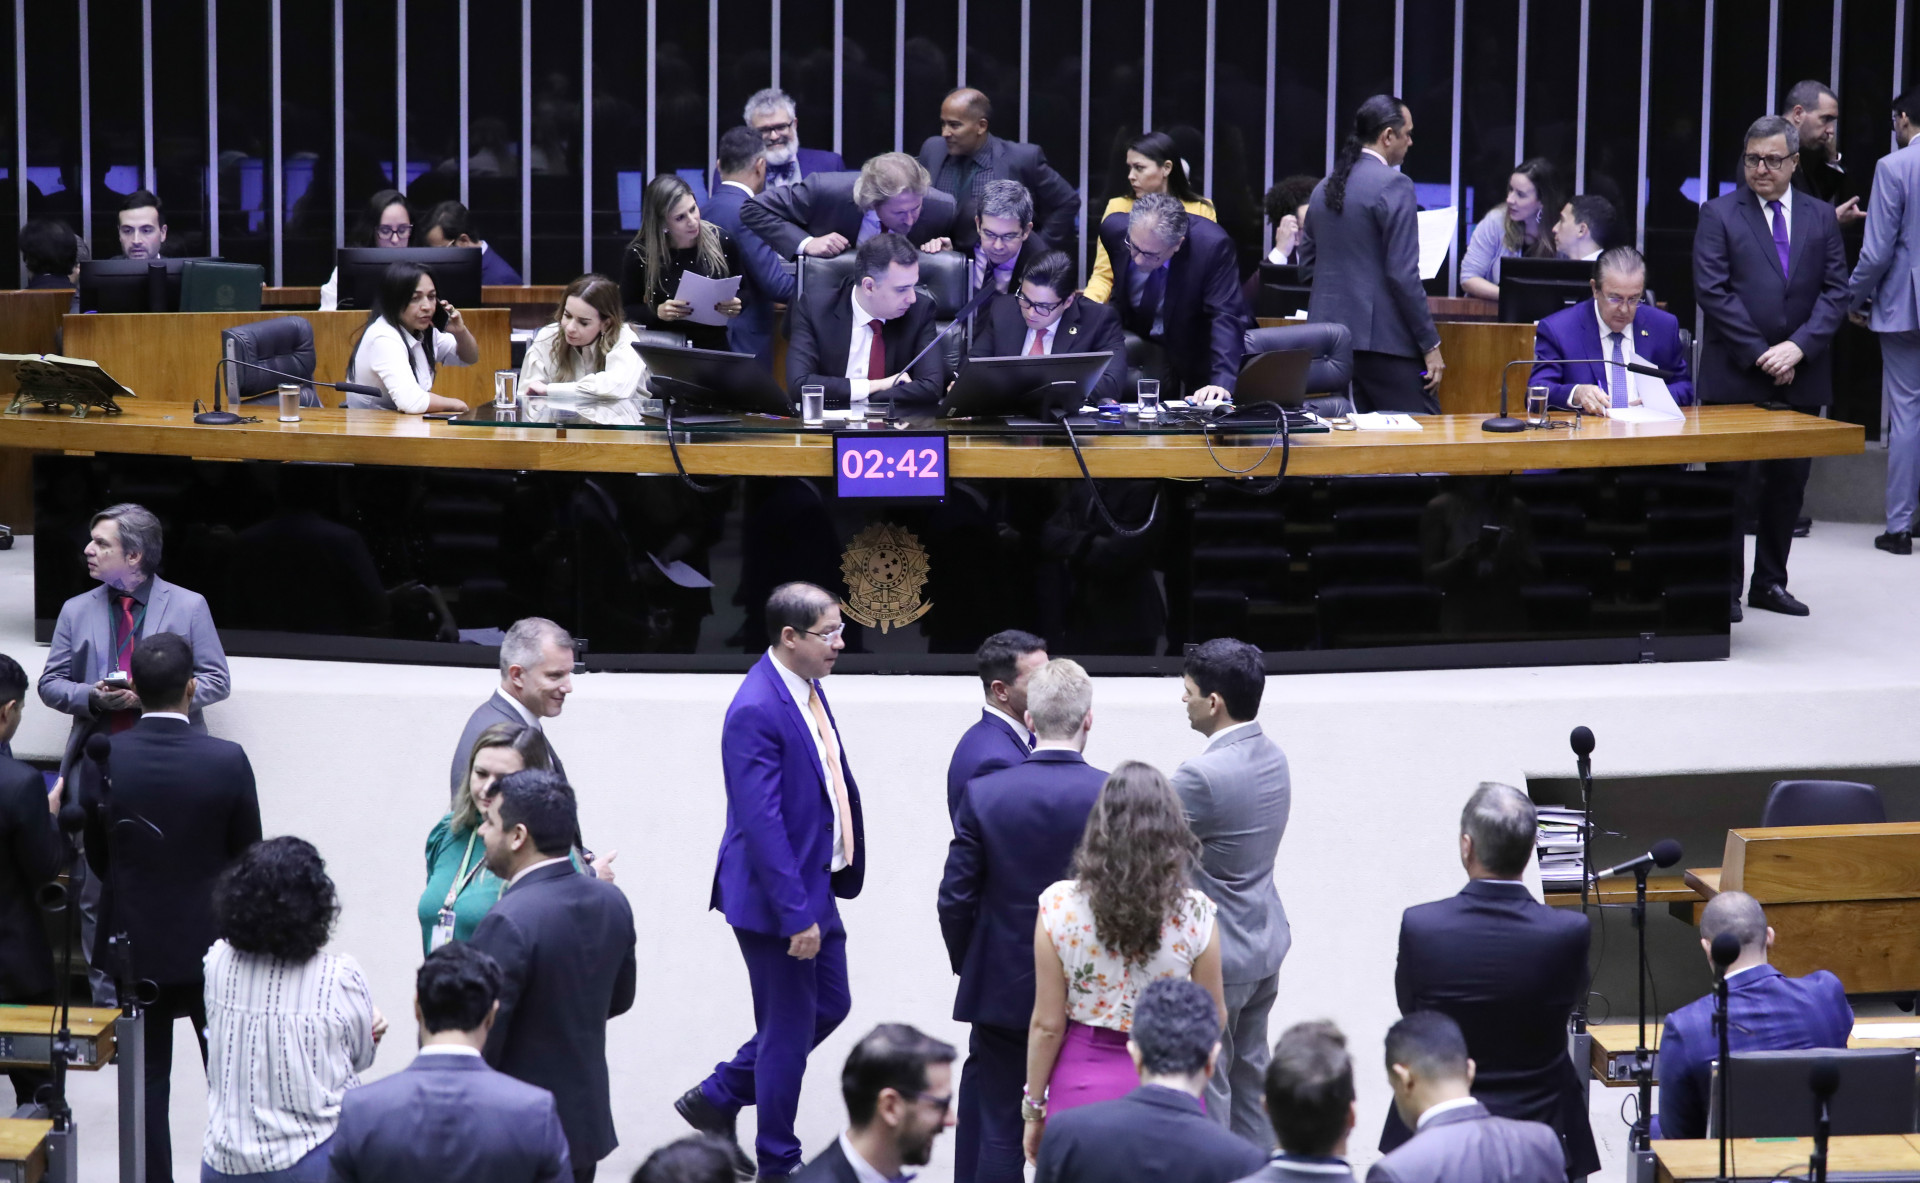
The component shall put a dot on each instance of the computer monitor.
(709, 380)
(1035, 386)
(360, 270)
(1770, 1094)
(131, 285)
(1533, 288)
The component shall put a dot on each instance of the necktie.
(1156, 291)
(842, 805)
(783, 174)
(1779, 233)
(1039, 348)
(876, 352)
(1616, 375)
(123, 659)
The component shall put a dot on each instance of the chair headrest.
(943, 277)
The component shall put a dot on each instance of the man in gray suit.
(1310, 1099)
(1885, 299)
(1360, 248)
(1236, 794)
(448, 1115)
(1454, 1135)
(536, 675)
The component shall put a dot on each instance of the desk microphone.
(220, 418)
(973, 305)
(100, 751)
(1665, 853)
(1581, 740)
(1503, 423)
(1726, 951)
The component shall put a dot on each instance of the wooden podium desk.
(23, 1149)
(26, 1036)
(1772, 1158)
(1613, 1044)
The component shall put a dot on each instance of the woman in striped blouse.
(289, 1028)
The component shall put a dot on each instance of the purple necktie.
(1779, 234)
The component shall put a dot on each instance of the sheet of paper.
(1436, 238)
(703, 293)
(1656, 403)
(1384, 421)
(1886, 1030)
(679, 573)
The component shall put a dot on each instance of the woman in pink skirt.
(1128, 916)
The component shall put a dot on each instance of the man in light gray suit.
(1360, 248)
(1884, 297)
(449, 1115)
(536, 675)
(1310, 1099)
(1236, 794)
(1455, 1137)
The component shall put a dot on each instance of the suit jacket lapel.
(1590, 345)
(1802, 229)
(103, 649)
(1066, 334)
(796, 730)
(158, 601)
(1757, 222)
(840, 320)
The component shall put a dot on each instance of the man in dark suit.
(771, 112)
(448, 1115)
(898, 1086)
(1006, 661)
(1177, 284)
(1509, 970)
(859, 337)
(1617, 323)
(965, 157)
(169, 812)
(1309, 1090)
(1360, 249)
(828, 213)
(34, 853)
(1044, 315)
(1770, 277)
(1766, 1011)
(793, 843)
(1456, 1136)
(449, 224)
(1004, 244)
(536, 675)
(1014, 836)
(1156, 1133)
(565, 946)
(743, 173)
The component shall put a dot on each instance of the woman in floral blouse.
(1128, 916)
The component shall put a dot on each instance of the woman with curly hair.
(1130, 915)
(289, 1028)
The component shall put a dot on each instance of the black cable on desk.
(1093, 490)
(680, 468)
(1280, 436)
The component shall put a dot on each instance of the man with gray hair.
(772, 113)
(1767, 1010)
(1509, 970)
(1014, 834)
(1620, 324)
(536, 675)
(1178, 287)
(1770, 279)
(829, 213)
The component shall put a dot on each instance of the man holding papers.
(1618, 325)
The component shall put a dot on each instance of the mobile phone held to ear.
(440, 316)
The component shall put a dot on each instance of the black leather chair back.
(1332, 348)
(943, 280)
(1823, 803)
(284, 343)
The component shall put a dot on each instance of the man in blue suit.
(743, 173)
(793, 843)
(771, 112)
(1177, 284)
(448, 1115)
(1766, 1010)
(1000, 739)
(1014, 836)
(1616, 323)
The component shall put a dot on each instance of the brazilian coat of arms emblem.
(885, 567)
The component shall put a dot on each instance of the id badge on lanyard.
(442, 931)
(443, 924)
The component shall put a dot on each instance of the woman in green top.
(460, 889)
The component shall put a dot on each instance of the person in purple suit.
(1767, 1010)
(1000, 739)
(1616, 323)
(793, 843)
(772, 113)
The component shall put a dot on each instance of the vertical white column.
(1273, 21)
(1206, 119)
(146, 91)
(86, 121)
(1640, 154)
(1399, 45)
(1773, 56)
(1580, 116)
(1453, 183)
(839, 72)
(960, 51)
(1089, 231)
(526, 140)
(1333, 80)
(1146, 73)
(1833, 66)
(400, 95)
(586, 136)
(213, 127)
(899, 74)
(653, 104)
(773, 22)
(1026, 66)
(465, 151)
(339, 126)
(713, 81)
(1520, 90)
(1706, 124)
(276, 211)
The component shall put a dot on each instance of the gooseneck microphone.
(220, 418)
(100, 751)
(1503, 423)
(1581, 741)
(1665, 853)
(1725, 951)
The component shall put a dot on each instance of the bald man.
(1767, 1012)
(965, 156)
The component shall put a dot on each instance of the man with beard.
(898, 1085)
(1814, 111)
(771, 112)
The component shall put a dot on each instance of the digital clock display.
(871, 465)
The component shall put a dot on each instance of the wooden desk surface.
(24, 1141)
(1619, 1039)
(1452, 444)
(1475, 352)
(90, 1025)
(1768, 1158)
(1619, 889)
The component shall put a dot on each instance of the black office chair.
(660, 339)
(1282, 292)
(1823, 803)
(1770, 1094)
(1332, 369)
(944, 279)
(284, 343)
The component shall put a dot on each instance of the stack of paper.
(1383, 421)
(1558, 847)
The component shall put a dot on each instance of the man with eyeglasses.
(793, 842)
(1618, 324)
(772, 113)
(898, 1086)
(1178, 287)
(1770, 278)
(965, 158)
(1044, 316)
(1005, 242)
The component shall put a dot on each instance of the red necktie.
(123, 661)
(876, 353)
(1039, 348)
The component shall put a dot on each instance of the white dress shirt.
(1442, 1107)
(984, 268)
(621, 376)
(176, 715)
(530, 868)
(799, 689)
(395, 364)
(520, 709)
(1224, 732)
(862, 1169)
(1019, 728)
(1376, 156)
(860, 345)
(1046, 339)
(1624, 377)
(449, 1049)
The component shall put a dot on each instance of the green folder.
(209, 286)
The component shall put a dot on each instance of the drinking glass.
(813, 406)
(506, 389)
(1147, 394)
(1537, 406)
(289, 402)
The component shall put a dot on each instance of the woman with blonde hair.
(588, 349)
(672, 239)
(1515, 228)
(1129, 916)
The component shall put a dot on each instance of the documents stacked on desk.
(1558, 847)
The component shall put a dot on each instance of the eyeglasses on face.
(1618, 301)
(774, 130)
(829, 635)
(1035, 306)
(394, 233)
(1002, 239)
(1772, 164)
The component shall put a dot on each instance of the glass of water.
(1537, 406)
(289, 402)
(506, 389)
(813, 406)
(1147, 394)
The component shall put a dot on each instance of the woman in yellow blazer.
(1153, 166)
